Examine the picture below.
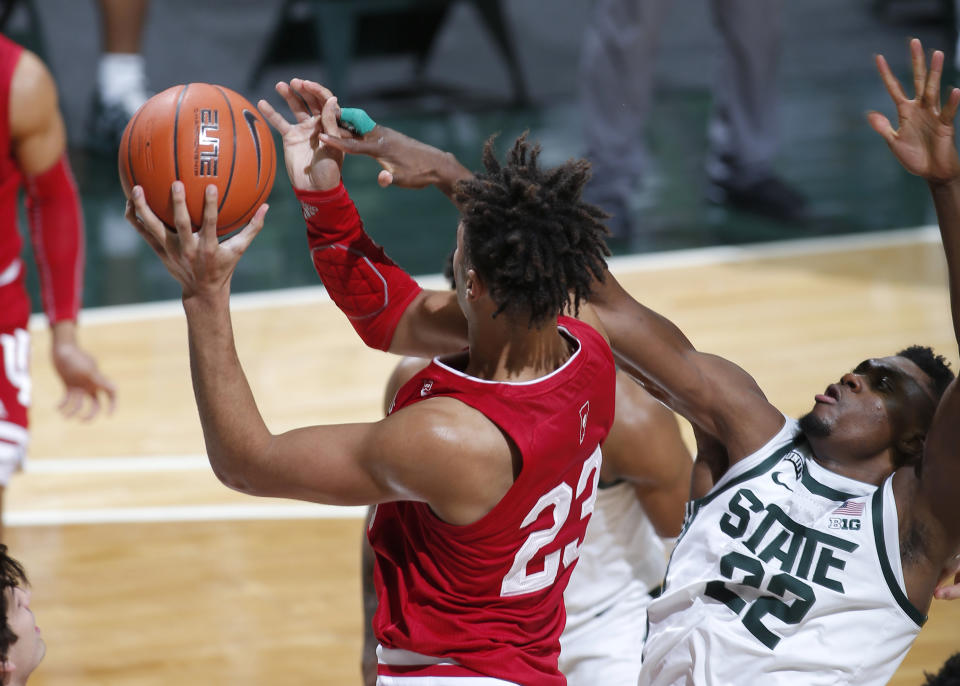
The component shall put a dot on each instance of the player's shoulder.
(33, 94)
(444, 422)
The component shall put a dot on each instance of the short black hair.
(934, 366)
(528, 233)
(949, 674)
(11, 576)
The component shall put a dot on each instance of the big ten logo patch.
(206, 151)
(846, 517)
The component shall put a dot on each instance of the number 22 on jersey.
(518, 580)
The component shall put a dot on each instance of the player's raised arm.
(386, 307)
(708, 390)
(924, 143)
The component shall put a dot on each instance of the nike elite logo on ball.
(251, 120)
(207, 155)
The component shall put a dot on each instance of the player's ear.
(910, 444)
(473, 287)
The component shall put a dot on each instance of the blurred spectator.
(121, 72)
(617, 68)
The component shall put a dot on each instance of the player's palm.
(924, 144)
(924, 140)
(310, 164)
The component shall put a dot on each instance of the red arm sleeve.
(56, 232)
(366, 284)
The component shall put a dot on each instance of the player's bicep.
(940, 473)
(333, 464)
(433, 324)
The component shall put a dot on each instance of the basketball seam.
(133, 127)
(233, 158)
(176, 124)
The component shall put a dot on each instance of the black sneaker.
(770, 197)
(105, 127)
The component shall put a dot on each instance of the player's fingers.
(919, 61)
(181, 215)
(949, 592)
(144, 215)
(331, 109)
(105, 386)
(275, 118)
(93, 407)
(134, 220)
(881, 125)
(295, 102)
(384, 178)
(241, 240)
(319, 90)
(890, 81)
(354, 146)
(310, 97)
(72, 402)
(208, 229)
(949, 111)
(931, 92)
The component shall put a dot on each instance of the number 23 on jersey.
(518, 580)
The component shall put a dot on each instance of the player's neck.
(871, 469)
(506, 351)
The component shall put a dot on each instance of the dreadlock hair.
(11, 576)
(535, 243)
(949, 674)
(933, 365)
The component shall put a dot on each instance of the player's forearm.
(946, 200)
(235, 434)
(56, 232)
(368, 287)
(645, 341)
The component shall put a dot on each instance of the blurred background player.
(616, 83)
(121, 71)
(34, 138)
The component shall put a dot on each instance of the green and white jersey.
(785, 573)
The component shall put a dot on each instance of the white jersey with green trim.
(621, 556)
(785, 573)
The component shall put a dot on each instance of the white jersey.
(622, 559)
(621, 556)
(785, 573)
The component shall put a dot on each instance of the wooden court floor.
(147, 571)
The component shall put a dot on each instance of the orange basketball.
(199, 134)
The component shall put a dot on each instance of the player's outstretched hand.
(310, 163)
(923, 141)
(202, 265)
(949, 587)
(84, 383)
(406, 162)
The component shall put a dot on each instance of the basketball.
(199, 133)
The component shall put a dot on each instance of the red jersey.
(56, 225)
(486, 599)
